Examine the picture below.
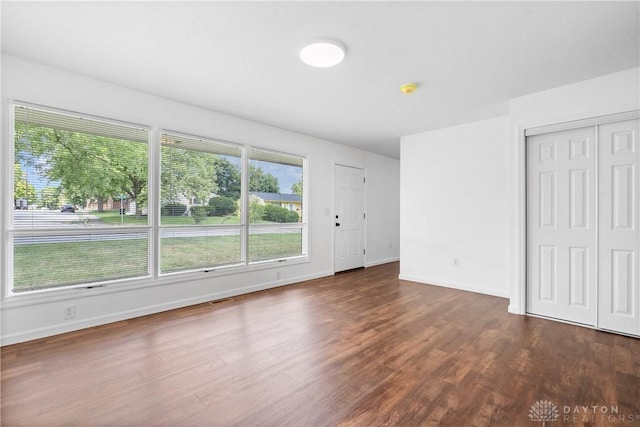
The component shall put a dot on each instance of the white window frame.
(153, 227)
(10, 231)
(241, 227)
(303, 224)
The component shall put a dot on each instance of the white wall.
(455, 204)
(383, 245)
(28, 317)
(463, 188)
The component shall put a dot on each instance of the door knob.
(337, 224)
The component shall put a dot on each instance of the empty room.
(320, 213)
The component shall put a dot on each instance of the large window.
(91, 207)
(79, 192)
(200, 203)
(275, 206)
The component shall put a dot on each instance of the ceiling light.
(323, 54)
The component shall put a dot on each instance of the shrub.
(276, 213)
(256, 211)
(174, 209)
(222, 205)
(292, 216)
(198, 213)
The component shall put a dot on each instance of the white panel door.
(349, 218)
(561, 225)
(619, 288)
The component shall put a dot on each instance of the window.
(276, 222)
(79, 190)
(87, 210)
(201, 224)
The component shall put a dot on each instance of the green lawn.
(114, 217)
(39, 265)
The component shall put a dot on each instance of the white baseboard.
(67, 326)
(382, 261)
(436, 282)
(515, 309)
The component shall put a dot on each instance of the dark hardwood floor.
(359, 349)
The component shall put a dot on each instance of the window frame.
(302, 224)
(154, 276)
(11, 231)
(201, 227)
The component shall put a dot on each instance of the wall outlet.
(456, 262)
(69, 312)
(278, 275)
(390, 245)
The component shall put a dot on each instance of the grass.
(38, 265)
(114, 217)
(43, 265)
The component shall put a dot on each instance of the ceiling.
(241, 58)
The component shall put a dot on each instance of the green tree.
(21, 187)
(50, 197)
(87, 166)
(228, 178)
(198, 213)
(297, 188)
(222, 206)
(256, 210)
(187, 173)
(261, 181)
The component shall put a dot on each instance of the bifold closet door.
(619, 238)
(561, 225)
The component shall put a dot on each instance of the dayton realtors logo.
(544, 411)
(547, 411)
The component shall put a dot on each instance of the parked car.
(68, 208)
(22, 204)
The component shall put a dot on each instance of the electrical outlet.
(69, 312)
(278, 275)
(456, 262)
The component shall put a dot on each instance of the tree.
(297, 188)
(198, 213)
(222, 206)
(261, 181)
(187, 173)
(256, 210)
(50, 197)
(21, 187)
(87, 166)
(228, 178)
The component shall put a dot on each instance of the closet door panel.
(561, 229)
(619, 238)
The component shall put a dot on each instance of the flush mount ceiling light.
(326, 53)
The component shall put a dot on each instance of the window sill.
(44, 296)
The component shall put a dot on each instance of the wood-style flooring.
(359, 349)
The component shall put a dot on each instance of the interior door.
(619, 285)
(561, 225)
(349, 218)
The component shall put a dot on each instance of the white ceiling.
(241, 58)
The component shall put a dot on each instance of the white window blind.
(201, 226)
(81, 214)
(79, 192)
